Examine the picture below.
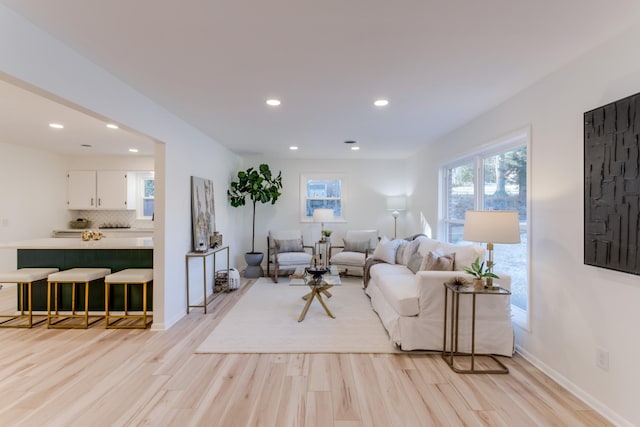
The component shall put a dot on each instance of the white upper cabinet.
(97, 190)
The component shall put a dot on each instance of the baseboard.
(594, 403)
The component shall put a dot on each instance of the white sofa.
(411, 306)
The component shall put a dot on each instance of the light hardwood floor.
(101, 377)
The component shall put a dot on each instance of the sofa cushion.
(386, 250)
(437, 261)
(356, 245)
(289, 245)
(415, 262)
(294, 258)
(348, 258)
(399, 287)
(400, 252)
(465, 254)
(411, 248)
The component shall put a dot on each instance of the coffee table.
(319, 283)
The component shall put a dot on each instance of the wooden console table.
(203, 256)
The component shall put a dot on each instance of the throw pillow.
(438, 261)
(356, 245)
(386, 250)
(400, 252)
(289, 245)
(411, 249)
(415, 262)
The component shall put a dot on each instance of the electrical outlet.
(602, 358)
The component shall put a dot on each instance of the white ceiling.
(25, 118)
(440, 63)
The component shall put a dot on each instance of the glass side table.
(453, 313)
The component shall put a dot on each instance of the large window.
(493, 179)
(322, 191)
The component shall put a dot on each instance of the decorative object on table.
(611, 183)
(457, 281)
(480, 272)
(202, 212)
(491, 227)
(322, 216)
(91, 235)
(326, 236)
(79, 224)
(396, 204)
(215, 240)
(259, 186)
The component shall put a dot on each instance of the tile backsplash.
(120, 217)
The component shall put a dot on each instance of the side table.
(454, 314)
(204, 255)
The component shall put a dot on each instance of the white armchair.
(357, 246)
(286, 251)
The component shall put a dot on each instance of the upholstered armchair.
(357, 246)
(286, 251)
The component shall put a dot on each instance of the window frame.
(511, 141)
(141, 177)
(307, 176)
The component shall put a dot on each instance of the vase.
(254, 267)
(478, 284)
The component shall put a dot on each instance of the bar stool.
(24, 278)
(74, 277)
(130, 276)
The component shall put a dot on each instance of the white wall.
(575, 308)
(368, 184)
(34, 58)
(32, 196)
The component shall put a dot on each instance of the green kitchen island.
(65, 253)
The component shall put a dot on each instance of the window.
(493, 179)
(321, 191)
(145, 195)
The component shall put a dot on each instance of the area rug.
(265, 320)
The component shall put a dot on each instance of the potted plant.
(479, 271)
(326, 235)
(258, 186)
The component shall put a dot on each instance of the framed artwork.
(612, 186)
(202, 212)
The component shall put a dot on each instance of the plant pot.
(254, 267)
(478, 284)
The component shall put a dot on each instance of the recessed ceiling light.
(56, 126)
(273, 102)
(293, 147)
(356, 148)
(381, 103)
(133, 150)
(112, 126)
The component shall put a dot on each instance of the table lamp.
(322, 216)
(491, 227)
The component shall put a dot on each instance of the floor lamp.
(491, 227)
(396, 204)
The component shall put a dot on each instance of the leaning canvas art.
(612, 185)
(202, 212)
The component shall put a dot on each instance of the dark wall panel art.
(612, 186)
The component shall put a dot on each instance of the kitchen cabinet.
(88, 190)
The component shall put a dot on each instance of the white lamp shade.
(396, 203)
(492, 226)
(322, 215)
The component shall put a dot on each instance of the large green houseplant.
(258, 186)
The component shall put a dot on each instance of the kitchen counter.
(78, 243)
(108, 252)
(107, 232)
